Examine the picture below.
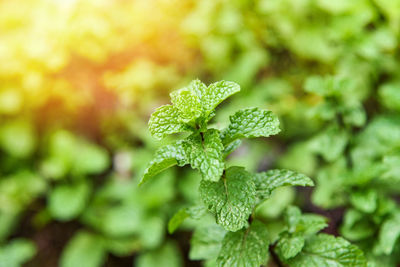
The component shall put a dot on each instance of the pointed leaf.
(289, 246)
(181, 215)
(266, 182)
(165, 120)
(249, 123)
(165, 158)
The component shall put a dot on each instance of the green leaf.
(84, 249)
(187, 103)
(68, 201)
(231, 199)
(389, 234)
(289, 246)
(17, 138)
(205, 153)
(166, 256)
(165, 120)
(165, 157)
(311, 224)
(305, 224)
(90, 159)
(206, 242)
(247, 247)
(194, 212)
(326, 251)
(268, 181)
(249, 123)
(16, 252)
(231, 147)
(214, 94)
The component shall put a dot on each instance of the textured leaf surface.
(268, 181)
(205, 154)
(165, 158)
(206, 242)
(165, 120)
(249, 123)
(231, 199)
(245, 248)
(328, 251)
(187, 103)
(289, 246)
(214, 94)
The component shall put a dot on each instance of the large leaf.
(247, 247)
(249, 123)
(328, 251)
(231, 199)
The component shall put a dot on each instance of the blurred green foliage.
(80, 79)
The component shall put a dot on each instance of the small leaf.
(231, 199)
(165, 120)
(249, 123)
(194, 212)
(231, 147)
(214, 94)
(84, 249)
(247, 247)
(165, 158)
(187, 103)
(289, 246)
(205, 154)
(326, 251)
(268, 181)
(206, 242)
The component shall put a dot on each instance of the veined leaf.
(289, 246)
(328, 251)
(249, 123)
(247, 247)
(266, 182)
(165, 158)
(205, 153)
(231, 199)
(165, 120)
(187, 103)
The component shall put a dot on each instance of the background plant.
(88, 74)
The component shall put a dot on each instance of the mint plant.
(231, 193)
